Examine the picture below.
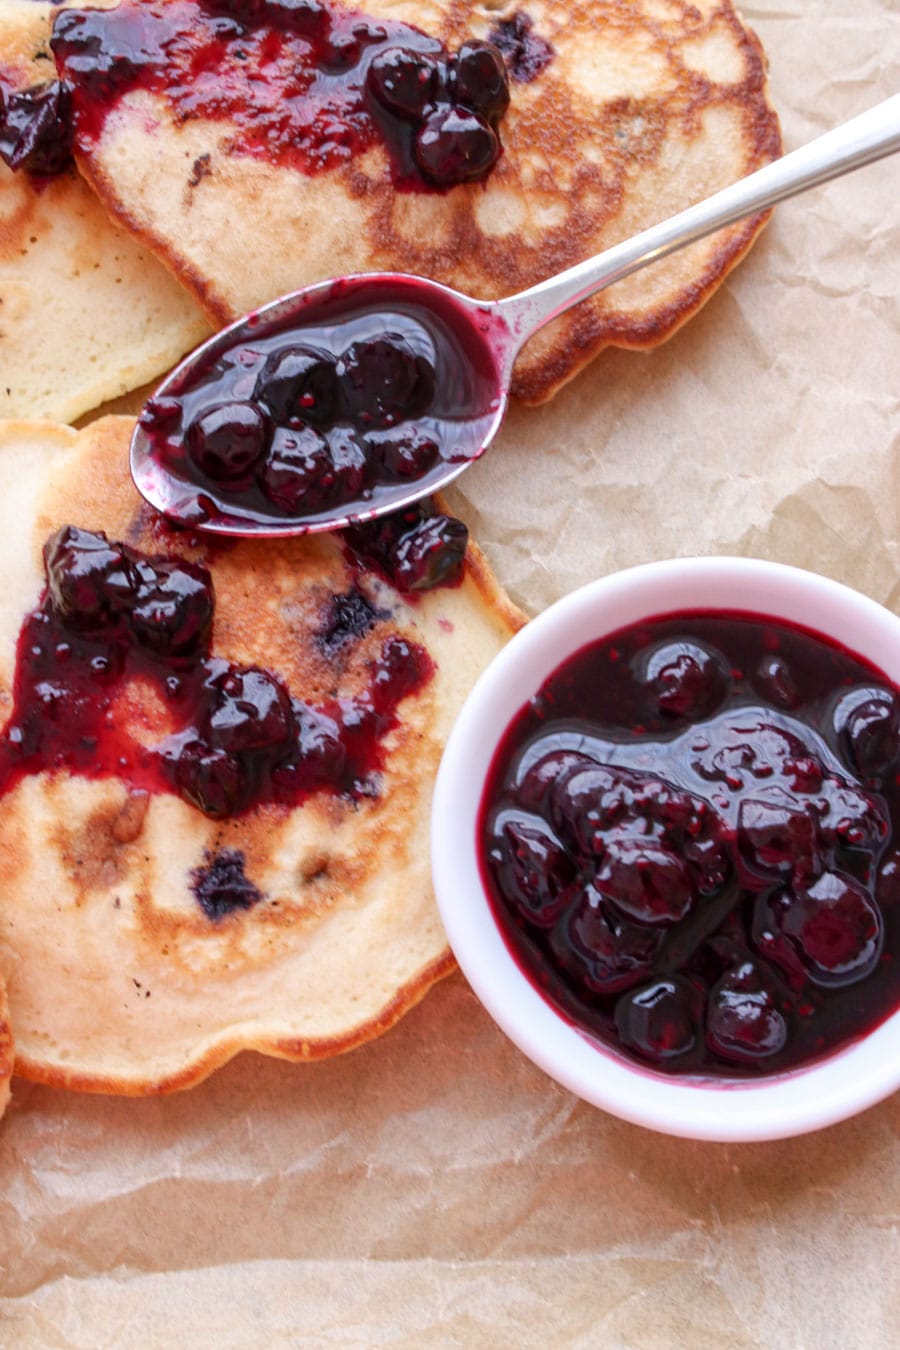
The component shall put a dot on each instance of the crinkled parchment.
(433, 1188)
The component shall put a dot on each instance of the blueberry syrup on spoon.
(347, 400)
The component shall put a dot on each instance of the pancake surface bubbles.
(621, 112)
(146, 940)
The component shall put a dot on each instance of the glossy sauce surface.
(337, 405)
(688, 838)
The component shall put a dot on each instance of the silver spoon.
(476, 342)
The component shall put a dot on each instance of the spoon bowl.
(450, 356)
(470, 346)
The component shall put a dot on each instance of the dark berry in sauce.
(835, 926)
(596, 945)
(456, 145)
(535, 868)
(745, 1024)
(213, 780)
(90, 580)
(172, 611)
(384, 381)
(417, 549)
(868, 722)
(299, 383)
(479, 79)
(687, 679)
(429, 554)
(405, 453)
(36, 128)
(297, 473)
(227, 440)
(245, 708)
(403, 81)
(688, 842)
(658, 1021)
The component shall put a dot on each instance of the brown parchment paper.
(433, 1188)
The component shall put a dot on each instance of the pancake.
(86, 311)
(621, 112)
(146, 935)
(7, 1051)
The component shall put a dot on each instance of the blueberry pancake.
(86, 311)
(216, 766)
(259, 145)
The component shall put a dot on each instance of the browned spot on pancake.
(129, 823)
(91, 854)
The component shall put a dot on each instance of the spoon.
(473, 345)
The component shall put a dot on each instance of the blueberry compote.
(309, 84)
(113, 620)
(331, 408)
(688, 840)
(36, 127)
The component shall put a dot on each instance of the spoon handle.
(870, 136)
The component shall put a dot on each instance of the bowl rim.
(722, 1110)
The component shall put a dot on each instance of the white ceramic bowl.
(726, 1110)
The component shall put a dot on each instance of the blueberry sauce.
(416, 549)
(36, 128)
(113, 620)
(221, 884)
(341, 406)
(524, 51)
(688, 839)
(299, 82)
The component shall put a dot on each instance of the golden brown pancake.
(145, 941)
(642, 107)
(86, 311)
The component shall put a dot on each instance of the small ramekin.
(777, 1106)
